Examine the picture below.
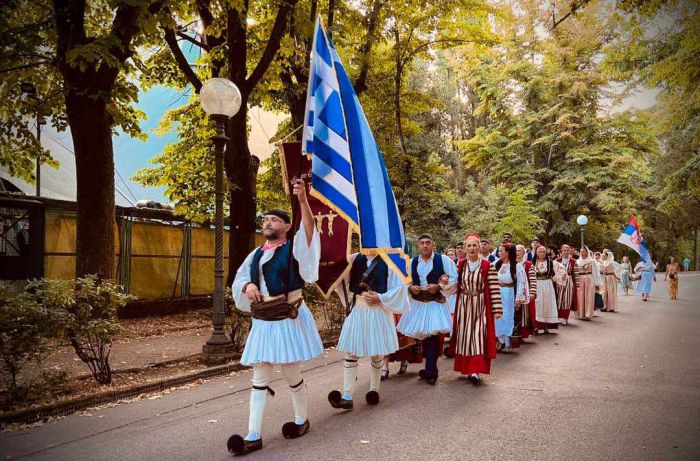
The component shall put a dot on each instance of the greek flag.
(347, 170)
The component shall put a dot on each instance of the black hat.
(280, 214)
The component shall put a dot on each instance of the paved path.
(625, 386)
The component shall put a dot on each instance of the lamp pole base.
(217, 353)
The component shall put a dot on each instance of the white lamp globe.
(220, 96)
(582, 220)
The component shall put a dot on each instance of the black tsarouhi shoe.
(239, 447)
(293, 430)
(372, 397)
(337, 401)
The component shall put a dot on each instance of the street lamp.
(30, 91)
(582, 220)
(221, 99)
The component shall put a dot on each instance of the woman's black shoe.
(239, 447)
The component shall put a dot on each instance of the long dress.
(479, 300)
(625, 279)
(510, 292)
(609, 286)
(289, 340)
(546, 302)
(647, 272)
(589, 279)
(369, 330)
(529, 312)
(567, 292)
(672, 271)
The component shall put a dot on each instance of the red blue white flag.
(632, 237)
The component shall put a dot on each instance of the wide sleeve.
(450, 269)
(595, 271)
(396, 297)
(308, 256)
(495, 291)
(639, 267)
(523, 290)
(532, 278)
(241, 280)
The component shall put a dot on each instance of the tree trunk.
(695, 250)
(238, 164)
(94, 166)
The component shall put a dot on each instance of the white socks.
(375, 372)
(300, 394)
(349, 375)
(258, 395)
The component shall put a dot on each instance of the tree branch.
(273, 43)
(366, 48)
(180, 59)
(24, 66)
(192, 40)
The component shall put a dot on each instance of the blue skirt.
(368, 331)
(644, 284)
(283, 341)
(425, 319)
(504, 325)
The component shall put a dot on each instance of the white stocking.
(262, 373)
(349, 375)
(300, 394)
(375, 372)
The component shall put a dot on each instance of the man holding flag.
(631, 236)
(348, 174)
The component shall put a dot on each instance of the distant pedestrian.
(625, 274)
(647, 273)
(686, 264)
(672, 276)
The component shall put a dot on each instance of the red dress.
(530, 321)
(474, 332)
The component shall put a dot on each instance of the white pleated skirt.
(368, 331)
(425, 319)
(283, 341)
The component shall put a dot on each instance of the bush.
(25, 327)
(237, 323)
(87, 308)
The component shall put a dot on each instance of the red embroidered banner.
(333, 229)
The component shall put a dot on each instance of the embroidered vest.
(433, 276)
(377, 279)
(277, 270)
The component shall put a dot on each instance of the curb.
(65, 407)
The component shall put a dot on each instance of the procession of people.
(485, 301)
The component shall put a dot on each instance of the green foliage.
(88, 309)
(25, 328)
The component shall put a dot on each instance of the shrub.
(88, 312)
(25, 327)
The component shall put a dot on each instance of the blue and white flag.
(632, 237)
(347, 169)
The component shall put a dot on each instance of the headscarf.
(472, 236)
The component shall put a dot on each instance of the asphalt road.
(625, 386)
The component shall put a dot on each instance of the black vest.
(377, 279)
(433, 276)
(277, 271)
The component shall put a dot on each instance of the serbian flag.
(348, 172)
(632, 237)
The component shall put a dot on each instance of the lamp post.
(30, 90)
(221, 99)
(582, 220)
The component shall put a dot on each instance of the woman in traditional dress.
(608, 272)
(647, 273)
(567, 297)
(529, 321)
(589, 277)
(546, 304)
(672, 270)
(514, 292)
(625, 279)
(478, 303)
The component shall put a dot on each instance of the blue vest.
(433, 276)
(377, 279)
(276, 271)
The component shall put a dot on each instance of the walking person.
(567, 293)
(589, 277)
(514, 292)
(626, 270)
(368, 331)
(686, 264)
(284, 333)
(608, 272)
(433, 277)
(528, 312)
(672, 270)
(478, 306)
(647, 273)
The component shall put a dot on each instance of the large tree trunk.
(239, 167)
(94, 165)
